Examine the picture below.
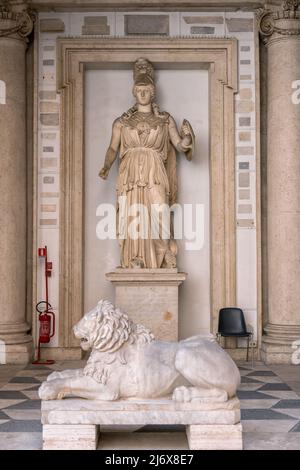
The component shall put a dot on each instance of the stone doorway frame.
(219, 56)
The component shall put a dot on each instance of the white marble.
(127, 362)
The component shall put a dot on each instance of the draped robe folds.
(147, 176)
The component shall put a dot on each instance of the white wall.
(183, 93)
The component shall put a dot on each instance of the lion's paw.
(54, 375)
(182, 394)
(48, 391)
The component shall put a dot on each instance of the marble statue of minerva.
(146, 140)
(127, 362)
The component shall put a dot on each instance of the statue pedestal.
(73, 423)
(149, 297)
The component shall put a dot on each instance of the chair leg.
(248, 348)
(252, 351)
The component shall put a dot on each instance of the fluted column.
(280, 30)
(15, 342)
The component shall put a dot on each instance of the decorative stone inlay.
(203, 19)
(244, 136)
(94, 25)
(48, 207)
(244, 180)
(245, 49)
(245, 208)
(245, 77)
(245, 223)
(47, 95)
(244, 193)
(52, 25)
(48, 62)
(245, 94)
(48, 179)
(49, 194)
(48, 221)
(244, 166)
(244, 106)
(244, 121)
(51, 119)
(244, 150)
(147, 24)
(49, 107)
(236, 25)
(202, 30)
(48, 162)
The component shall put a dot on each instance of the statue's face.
(143, 94)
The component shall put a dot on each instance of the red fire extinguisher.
(46, 314)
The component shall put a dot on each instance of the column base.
(16, 353)
(149, 297)
(277, 343)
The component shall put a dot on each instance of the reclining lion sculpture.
(127, 362)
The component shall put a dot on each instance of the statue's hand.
(103, 173)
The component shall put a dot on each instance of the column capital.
(16, 19)
(277, 23)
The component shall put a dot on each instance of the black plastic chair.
(232, 323)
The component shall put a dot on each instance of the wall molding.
(74, 55)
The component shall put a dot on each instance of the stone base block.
(209, 425)
(20, 353)
(150, 297)
(70, 437)
(276, 353)
(215, 437)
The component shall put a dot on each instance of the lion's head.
(106, 328)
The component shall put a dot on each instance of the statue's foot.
(189, 394)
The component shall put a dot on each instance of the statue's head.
(144, 87)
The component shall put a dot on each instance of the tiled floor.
(270, 403)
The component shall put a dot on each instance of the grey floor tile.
(294, 412)
(21, 441)
(21, 426)
(11, 395)
(5, 403)
(26, 405)
(24, 380)
(258, 414)
(296, 429)
(23, 414)
(3, 415)
(248, 380)
(287, 404)
(271, 441)
(271, 386)
(262, 373)
(268, 425)
(252, 395)
(258, 404)
(282, 394)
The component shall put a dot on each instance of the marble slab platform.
(74, 423)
